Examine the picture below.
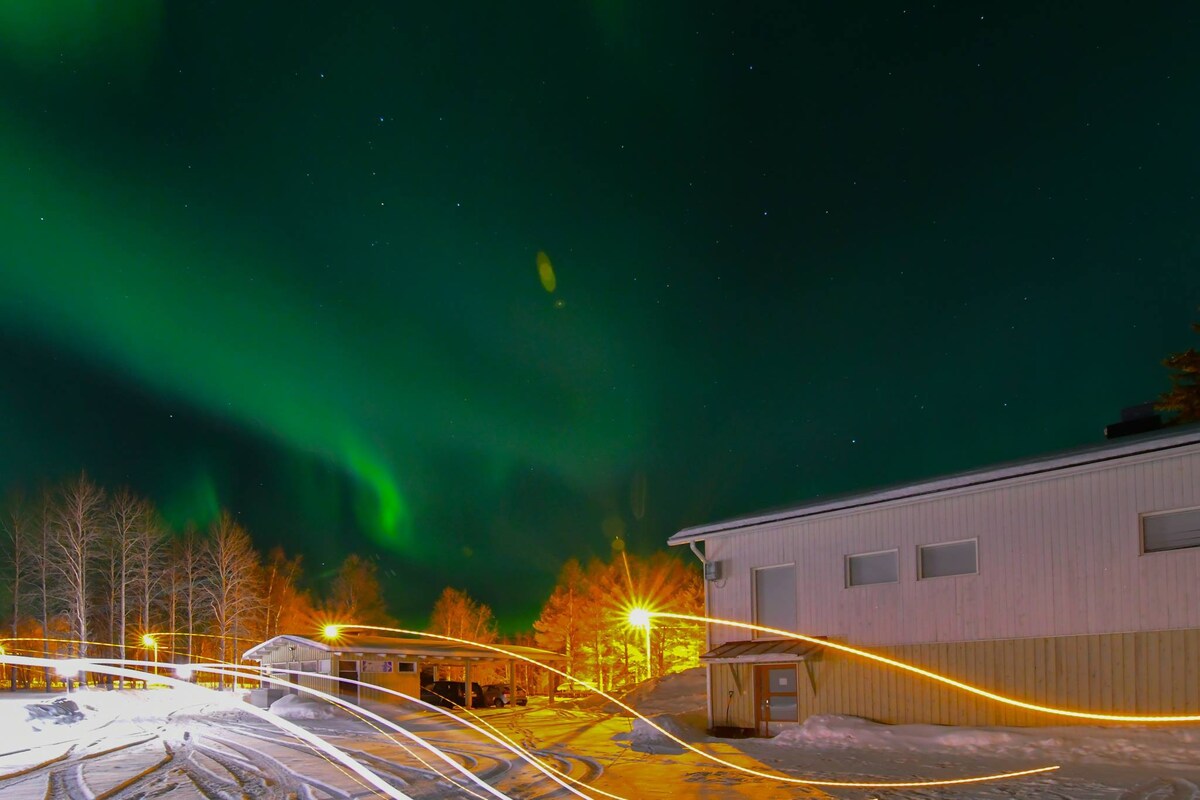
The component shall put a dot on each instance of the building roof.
(1126, 447)
(399, 648)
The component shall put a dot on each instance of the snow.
(294, 706)
(1130, 744)
(222, 748)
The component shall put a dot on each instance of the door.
(348, 691)
(775, 688)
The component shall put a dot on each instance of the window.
(950, 558)
(1175, 530)
(406, 666)
(775, 598)
(865, 569)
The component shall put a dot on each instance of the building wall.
(408, 683)
(1155, 672)
(1058, 555)
(296, 660)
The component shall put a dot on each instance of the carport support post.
(512, 681)
(467, 696)
(550, 686)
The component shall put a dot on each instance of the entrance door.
(775, 688)
(348, 691)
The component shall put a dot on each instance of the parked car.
(450, 694)
(496, 695)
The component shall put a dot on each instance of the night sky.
(283, 258)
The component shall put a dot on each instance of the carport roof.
(391, 646)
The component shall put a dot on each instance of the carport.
(383, 661)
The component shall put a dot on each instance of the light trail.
(710, 756)
(237, 672)
(966, 687)
(286, 725)
(498, 737)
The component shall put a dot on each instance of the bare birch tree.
(190, 559)
(125, 518)
(286, 608)
(77, 531)
(148, 565)
(457, 614)
(232, 567)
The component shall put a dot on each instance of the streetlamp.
(640, 618)
(150, 642)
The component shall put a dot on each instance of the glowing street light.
(331, 631)
(150, 642)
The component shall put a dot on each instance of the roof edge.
(1062, 460)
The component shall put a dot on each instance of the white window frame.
(1142, 531)
(920, 573)
(846, 568)
(757, 634)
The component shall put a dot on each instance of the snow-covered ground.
(173, 744)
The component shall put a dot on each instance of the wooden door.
(775, 692)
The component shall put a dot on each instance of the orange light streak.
(710, 756)
(966, 687)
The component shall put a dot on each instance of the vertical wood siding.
(1151, 672)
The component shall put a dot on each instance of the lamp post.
(150, 642)
(640, 618)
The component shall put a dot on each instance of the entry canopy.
(762, 650)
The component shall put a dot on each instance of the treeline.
(91, 573)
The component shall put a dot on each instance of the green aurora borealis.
(284, 259)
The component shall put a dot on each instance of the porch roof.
(761, 650)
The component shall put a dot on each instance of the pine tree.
(1184, 396)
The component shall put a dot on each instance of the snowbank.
(294, 706)
(678, 693)
(646, 739)
(1174, 744)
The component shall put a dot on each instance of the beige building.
(391, 663)
(1071, 580)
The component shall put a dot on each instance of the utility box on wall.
(712, 570)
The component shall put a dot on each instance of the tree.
(457, 614)
(560, 626)
(232, 567)
(148, 565)
(1184, 396)
(356, 595)
(189, 582)
(77, 531)
(17, 534)
(287, 608)
(41, 554)
(125, 513)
